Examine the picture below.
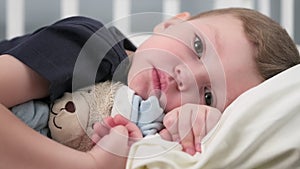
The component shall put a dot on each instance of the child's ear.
(176, 19)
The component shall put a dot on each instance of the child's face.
(202, 61)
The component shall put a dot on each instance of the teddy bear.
(72, 116)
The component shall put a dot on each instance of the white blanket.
(260, 129)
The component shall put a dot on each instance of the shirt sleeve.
(71, 53)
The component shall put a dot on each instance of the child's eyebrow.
(216, 38)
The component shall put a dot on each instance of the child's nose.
(184, 77)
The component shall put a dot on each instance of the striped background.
(22, 16)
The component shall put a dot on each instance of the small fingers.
(101, 129)
(171, 123)
(164, 133)
(109, 121)
(199, 127)
(134, 133)
(212, 118)
(116, 142)
(95, 138)
(203, 121)
(185, 129)
(120, 120)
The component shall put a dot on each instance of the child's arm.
(21, 146)
(189, 124)
(19, 83)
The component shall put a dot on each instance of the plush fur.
(74, 114)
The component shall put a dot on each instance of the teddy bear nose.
(70, 107)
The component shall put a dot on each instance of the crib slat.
(14, 18)
(264, 6)
(287, 16)
(69, 8)
(233, 3)
(121, 15)
(170, 8)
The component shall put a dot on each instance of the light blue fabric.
(147, 114)
(35, 114)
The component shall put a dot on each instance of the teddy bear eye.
(70, 107)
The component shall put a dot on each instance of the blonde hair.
(275, 50)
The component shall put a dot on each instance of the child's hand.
(111, 150)
(189, 124)
(113, 138)
(104, 128)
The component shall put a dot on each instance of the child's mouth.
(156, 83)
(159, 86)
(159, 81)
(156, 79)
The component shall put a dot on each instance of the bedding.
(258, 130)
(35, 114)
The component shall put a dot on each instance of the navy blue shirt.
(71, 53)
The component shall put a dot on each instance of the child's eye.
(198, 46)
(208, 97)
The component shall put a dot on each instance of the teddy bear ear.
(88, 89)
